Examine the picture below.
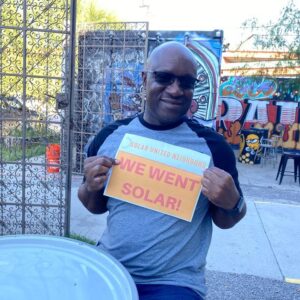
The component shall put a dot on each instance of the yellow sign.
(149, 182)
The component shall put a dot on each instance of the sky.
(227, 15)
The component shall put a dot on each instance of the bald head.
(174, 50)
(169, 80)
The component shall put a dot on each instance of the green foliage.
(36, 139)
(89, 12)
(284, 34)
(281, 35)
(15, 153)
(40, 52)
(39, 131)
(44, 46)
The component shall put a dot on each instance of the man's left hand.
(218, 186)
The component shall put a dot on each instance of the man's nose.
(175, 88)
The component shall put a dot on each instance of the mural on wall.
(123, 85)
(259, 102)
(109, 81)
(249, 147)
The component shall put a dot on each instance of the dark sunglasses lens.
(164, 78)
(187, 82)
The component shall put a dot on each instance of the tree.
(279, 44)
(88, 12)
(282, 35)
(32, 50)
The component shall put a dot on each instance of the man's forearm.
(224, 220)
(95, 202)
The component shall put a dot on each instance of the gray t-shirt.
(156, 248)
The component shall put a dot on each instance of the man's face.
(168, 97)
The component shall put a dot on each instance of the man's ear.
(144, 77)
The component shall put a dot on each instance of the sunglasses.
(166, 78)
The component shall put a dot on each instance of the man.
(165, 255)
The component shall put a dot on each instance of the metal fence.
(110, 59)
(35, 90)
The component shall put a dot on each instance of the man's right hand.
(95, 170)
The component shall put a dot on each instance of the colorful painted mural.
(259, 102)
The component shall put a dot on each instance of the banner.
(158, 176)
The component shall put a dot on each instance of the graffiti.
(206, 91)
(253, 105)
(249, 146)
(123, 82)
(260, 88)
(109, 78)
(248, 88)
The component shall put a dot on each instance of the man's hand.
(95, 170)
(219, 187)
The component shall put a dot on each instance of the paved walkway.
(265, 243)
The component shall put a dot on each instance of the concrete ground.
(267, 240)
(260, 254)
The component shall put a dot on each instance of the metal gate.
(111, 57)
(36, 69)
